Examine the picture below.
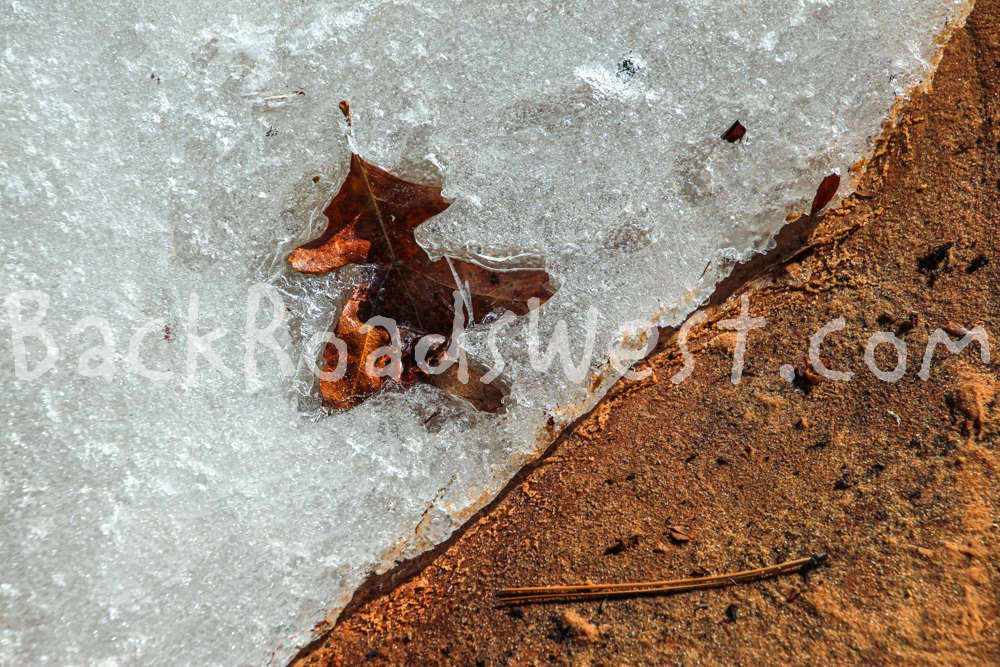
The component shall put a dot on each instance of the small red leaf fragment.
(735, 133)
(955, 329)
(825, 192)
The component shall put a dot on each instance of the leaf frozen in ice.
(371, 221)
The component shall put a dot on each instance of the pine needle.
(589, 591)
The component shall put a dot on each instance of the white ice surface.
(149, 151)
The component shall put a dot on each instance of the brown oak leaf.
(371, 221)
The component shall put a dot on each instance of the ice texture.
(152, 151)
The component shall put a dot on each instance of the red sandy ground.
(770, 470)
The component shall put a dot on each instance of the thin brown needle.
(584, 591)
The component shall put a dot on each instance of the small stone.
(580, 627)
(972, 396)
